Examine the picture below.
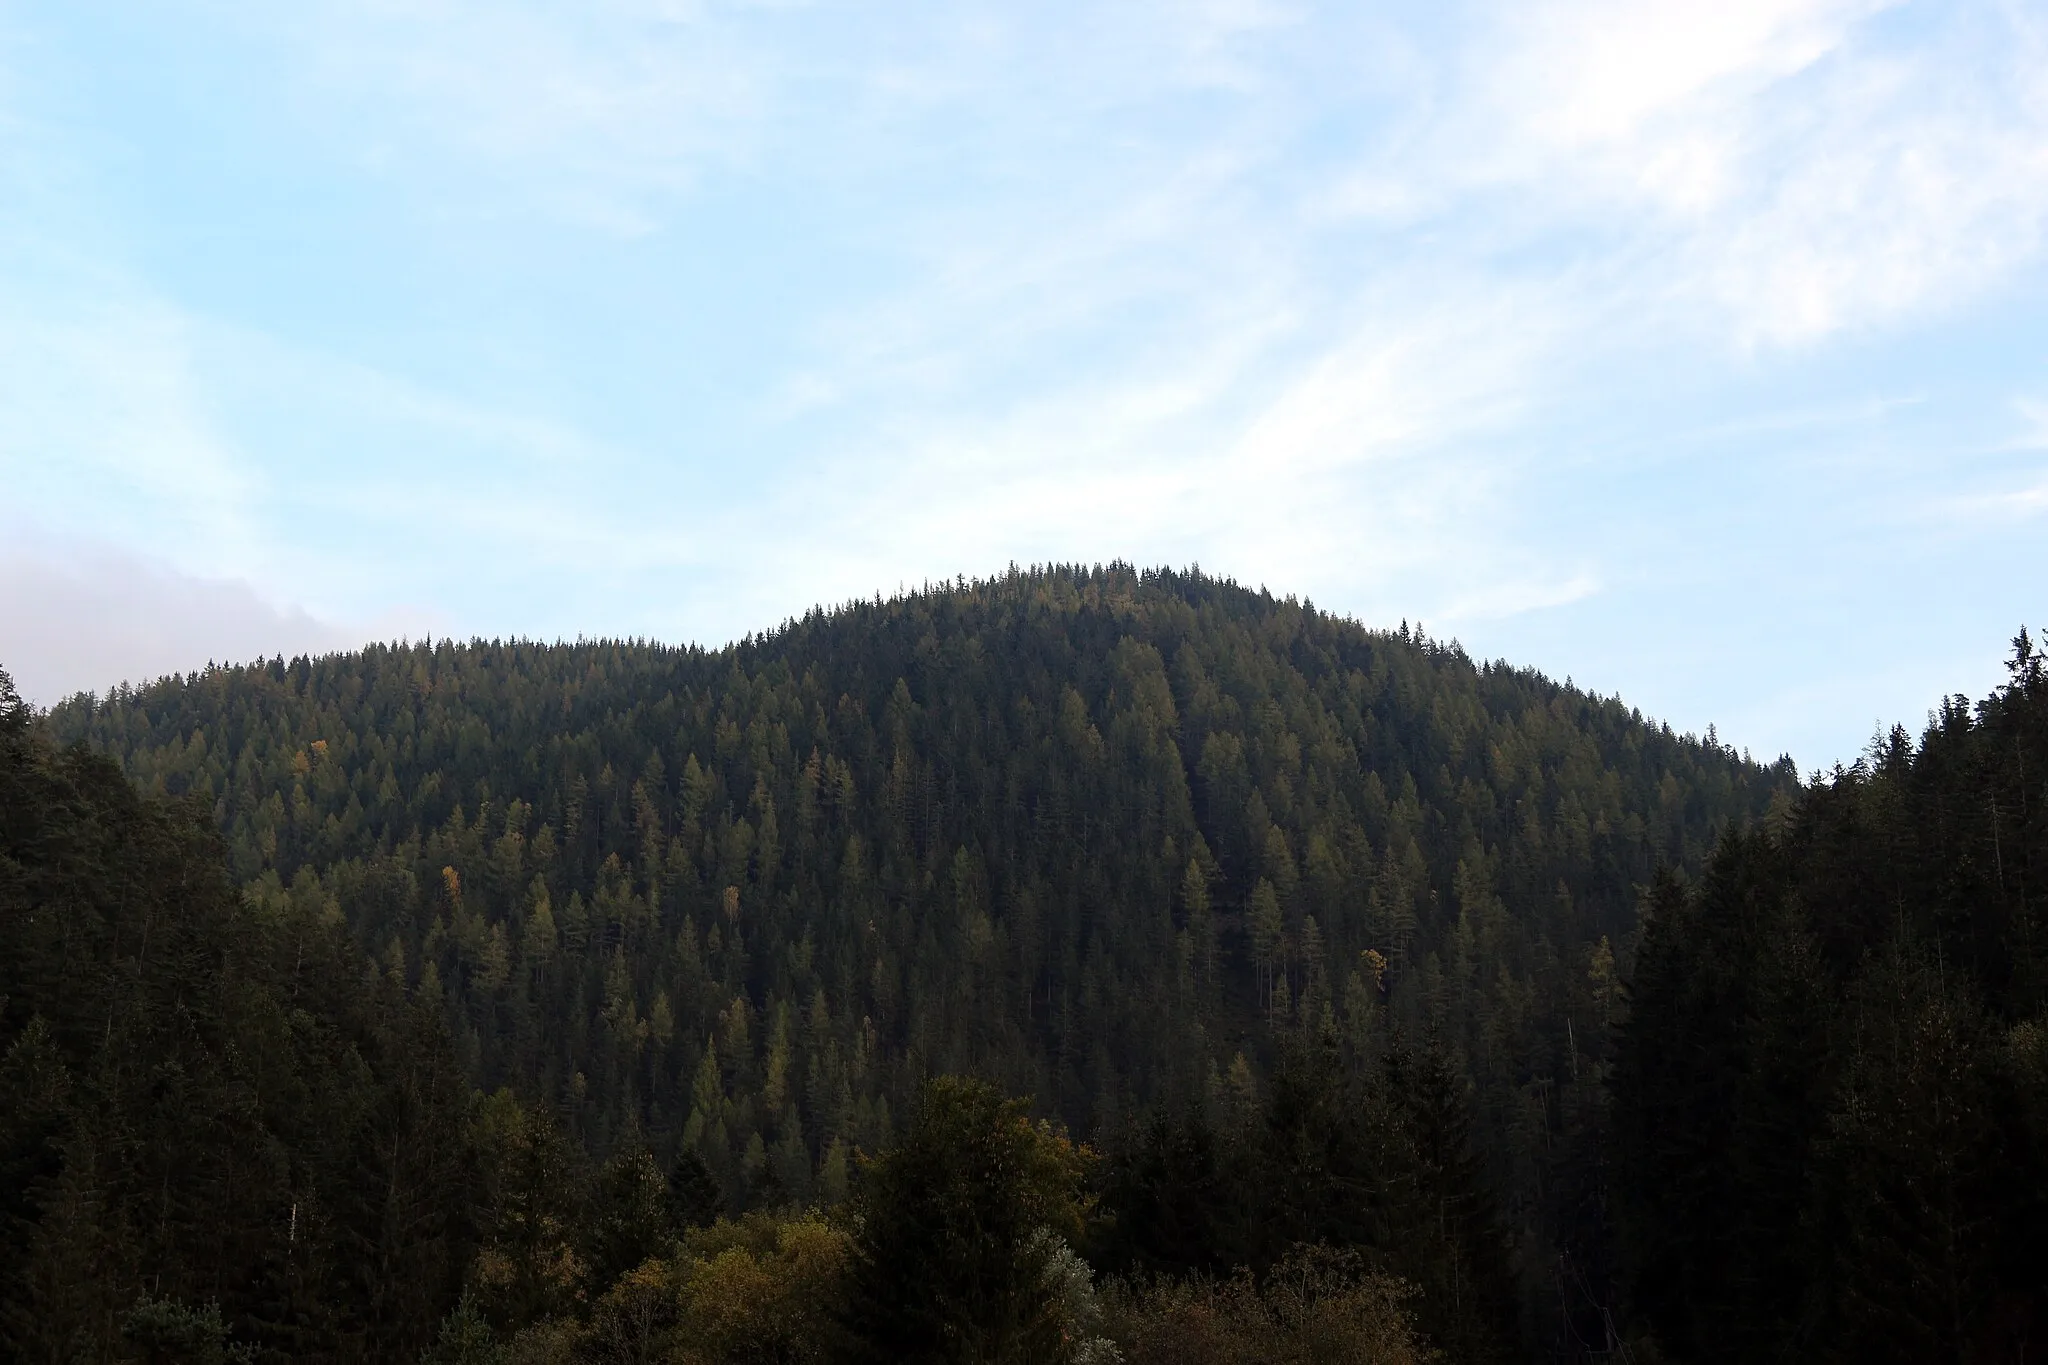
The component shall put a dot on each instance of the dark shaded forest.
(1831, 1091)
(1328, 995)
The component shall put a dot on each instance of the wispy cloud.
(601, 113)
(690, 314)
(106, 400)
(2033, 415)
(1629, 81)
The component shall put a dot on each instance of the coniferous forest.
(1076, 965)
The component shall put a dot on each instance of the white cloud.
(1512, 597)
(2028, 501)
(1330, 403)
(1786, 165)
(1332, 466)
(1916, 186)
(1280, 289)
(2033, 414)
(1594, 73)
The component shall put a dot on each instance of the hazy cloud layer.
(84, 620)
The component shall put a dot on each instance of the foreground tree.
(211, 1126)
(1829, 1115)
(1360, 1158)
(961, 1233)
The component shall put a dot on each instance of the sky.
(1695, 351)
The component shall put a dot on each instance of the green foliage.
(466, 1338)
(15, 714)
(533, 1264)
(1118, 844)
(1316, 1307)
(1828, 1114)
(171, 1333)
(1090, 834)
(629, 1217)
(693, 1200)
(1368, 1155)
(765, 1289)
(960, 1227)
(1111, 841)
(205, 1101)
(761, 1290)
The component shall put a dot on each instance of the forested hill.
(606, 1002)
(1092, 834)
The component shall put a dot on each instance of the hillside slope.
(1092, 834)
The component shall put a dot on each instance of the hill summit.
(1095, 834)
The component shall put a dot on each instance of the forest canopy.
(1365, 987)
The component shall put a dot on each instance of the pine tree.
(951, 1260)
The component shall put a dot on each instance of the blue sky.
(1698, 351)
